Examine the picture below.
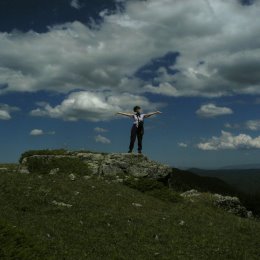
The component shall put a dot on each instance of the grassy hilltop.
(81, 216)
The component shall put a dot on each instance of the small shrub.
(143, 184)
(43, 152)
(165, 194)
(43, 165)
(154, 188)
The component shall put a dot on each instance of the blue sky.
(67, 67)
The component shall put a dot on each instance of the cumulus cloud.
(232, 126)
(38, 132)
(218, 42)
(229, 141)
(5, 111)
(92, 106)
(4, 115)
(183, 145)
(211, 110)
(100, 130)
(102, 139)
(253, 125)
(75, 4)
(163, 89)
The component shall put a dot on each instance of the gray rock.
(137, 204)
(61, 204)
(250, 214)
(72, 177)
(110, 169)
(228, 203)
(190, 193)
(54, 171)
(23, 169)
(113, 164)
(232, 205)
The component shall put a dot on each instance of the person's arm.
(125, 114)
(152, 113)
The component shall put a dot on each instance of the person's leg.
(132, 138)
(140, 139)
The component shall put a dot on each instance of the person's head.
(137, 109)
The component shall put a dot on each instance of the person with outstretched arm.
(137, 129)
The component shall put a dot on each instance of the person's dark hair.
(135, 108)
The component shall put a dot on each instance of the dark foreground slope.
(86, 217)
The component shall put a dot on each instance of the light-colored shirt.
(138, 118)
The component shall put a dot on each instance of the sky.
(67, 66)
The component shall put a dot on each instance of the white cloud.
(102, 139)
(218, 42)
(253, 125)
(211, 110)
(163, 89)
(93, 106)
(183, 145)
(4, 115)
(232, 126)
(75, 4)
(229, 141)
(5, 111)
(100, 130)
(38, 132)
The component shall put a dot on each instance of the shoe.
(129, 151)
(140, 152)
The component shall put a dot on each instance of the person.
(137, 129)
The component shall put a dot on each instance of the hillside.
(184, 180)
(75, 214)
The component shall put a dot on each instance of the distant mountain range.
(182, 180)
(242, 166)
(244, 179)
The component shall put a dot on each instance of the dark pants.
(139, 132)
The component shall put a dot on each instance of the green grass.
(102, 222)
(53, 152)
(154, 188)
(66, 165)
(14, 244)
(43, 152)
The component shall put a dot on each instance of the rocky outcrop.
(228, 203)
(232, 205)
(191, 193)
(110, 164)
